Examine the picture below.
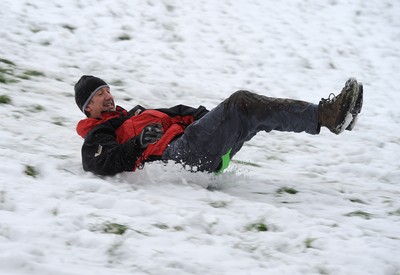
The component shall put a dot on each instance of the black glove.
(150, 134)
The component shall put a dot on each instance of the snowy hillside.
(290, 204)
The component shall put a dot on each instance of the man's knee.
(241, 100)
(240, 95)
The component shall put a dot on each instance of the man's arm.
(102, 155)
(182, 110)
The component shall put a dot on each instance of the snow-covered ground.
(290, 204)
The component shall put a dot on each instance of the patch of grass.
(123, 37)
(359, 213)
(219, 204)
(26, 77)
(178, 228)
(114, 228)
(6, 61)
(164, 226)
(68, 94)
(55, 211)
(5, 80)
(117, 82)
(288, 190)
(395, 212)
(170, 8)
(259, 226)
(7, 71)
(36, 29)
(69, 27)
(31, 171)
(32, 73)
(357, 201)
(261, 193)
(161, 226)
(5, 99)
(59, 121)
(45, 43)
(308, 242)
(322, 271)
(36, 108)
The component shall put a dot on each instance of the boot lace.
(331, 99)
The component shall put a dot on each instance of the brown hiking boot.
(335, 111)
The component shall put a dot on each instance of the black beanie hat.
(86, 88)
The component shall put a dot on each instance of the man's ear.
(87, 111)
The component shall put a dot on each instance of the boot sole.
(357, 108)
(352, 94)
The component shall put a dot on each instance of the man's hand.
(150, 134)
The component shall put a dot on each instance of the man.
(118, 140)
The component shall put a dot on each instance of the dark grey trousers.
(235, 121)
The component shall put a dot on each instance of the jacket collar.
(85, 125)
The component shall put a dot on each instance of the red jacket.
(120, 128)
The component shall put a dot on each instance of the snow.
(289, 204)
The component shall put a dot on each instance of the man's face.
(102, 101)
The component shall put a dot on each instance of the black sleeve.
(182, 110)
(102, 155)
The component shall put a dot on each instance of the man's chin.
(110, 109)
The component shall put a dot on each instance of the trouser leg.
(235, 121)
